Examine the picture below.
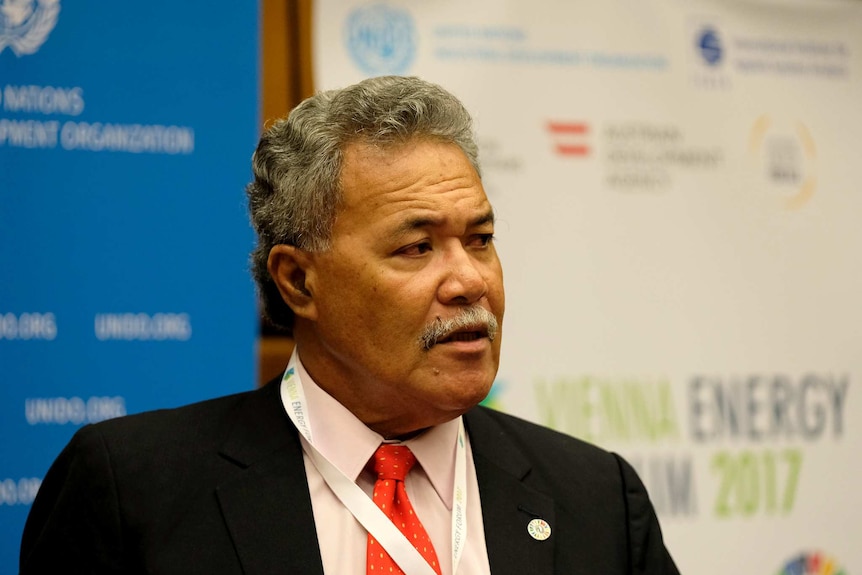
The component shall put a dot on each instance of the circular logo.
(539, 529)
(812, 563)
(381, 39)
(25, 24)
(785, 154)
(709, 45)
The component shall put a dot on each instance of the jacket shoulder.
(536, 440)
(596, 492)
(152, 426)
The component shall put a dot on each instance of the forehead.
(419, 176)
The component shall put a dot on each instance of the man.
(375, 247)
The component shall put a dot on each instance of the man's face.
(412, 244)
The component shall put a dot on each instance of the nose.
(463, 281)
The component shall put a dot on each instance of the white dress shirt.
(349, 445)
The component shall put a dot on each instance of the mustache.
(474, 316)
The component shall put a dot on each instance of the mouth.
(464, 335)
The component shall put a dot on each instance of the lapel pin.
(539, 529)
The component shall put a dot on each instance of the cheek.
(346, 304)
(384, 304)
(386, 307)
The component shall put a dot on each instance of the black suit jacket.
(219, 487)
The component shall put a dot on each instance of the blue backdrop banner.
(126, 132)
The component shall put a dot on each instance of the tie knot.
(393, 461)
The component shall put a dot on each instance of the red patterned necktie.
(391, 463)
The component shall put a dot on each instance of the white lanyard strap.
(359, 504)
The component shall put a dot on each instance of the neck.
(394, 417)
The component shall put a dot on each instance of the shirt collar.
(349, 444)
(435, 452)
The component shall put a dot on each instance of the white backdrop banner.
(677, 191)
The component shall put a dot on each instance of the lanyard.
(359, 504)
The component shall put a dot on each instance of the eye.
(415, 250)
(481, 240)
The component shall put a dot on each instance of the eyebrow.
(424, 221)
(487, 218)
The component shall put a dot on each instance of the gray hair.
(296, 192)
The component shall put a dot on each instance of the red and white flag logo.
(570, 138)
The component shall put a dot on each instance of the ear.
(289, 267)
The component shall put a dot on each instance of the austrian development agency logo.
(25, 24)
(812, 563)
(571, 139)
(381, 39)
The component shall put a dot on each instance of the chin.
(466, 397)
(457, 387)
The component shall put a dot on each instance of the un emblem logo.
(381, 39)
(25, 24)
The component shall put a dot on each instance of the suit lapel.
(509, 503)
(267, 506)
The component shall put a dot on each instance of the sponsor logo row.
(642, 156)
(385, 39)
